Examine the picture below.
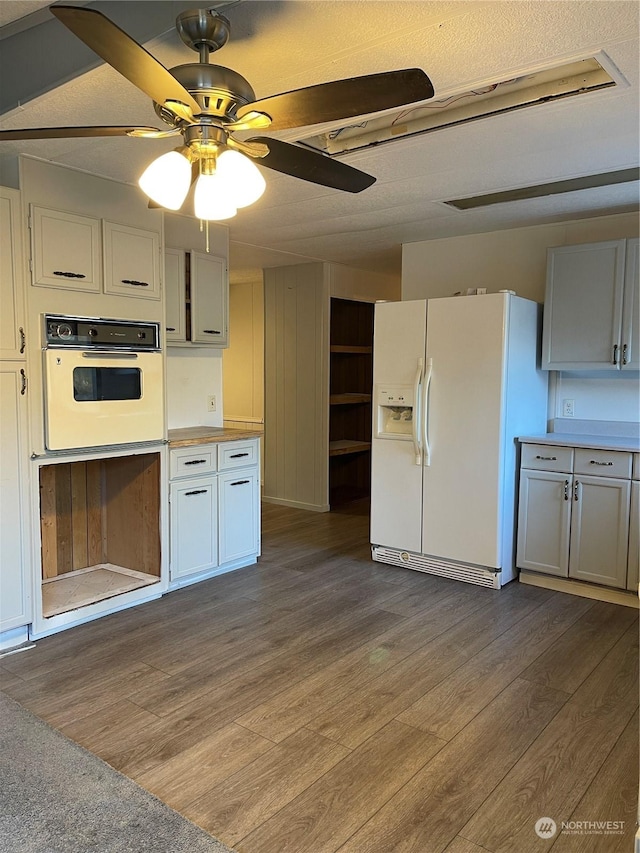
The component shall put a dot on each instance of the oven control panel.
(98, 333)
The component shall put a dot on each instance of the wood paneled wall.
(101, 511)
(296, 386)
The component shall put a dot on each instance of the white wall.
(192, 375)
(243, 361)
(516, 260)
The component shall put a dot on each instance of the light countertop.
(187, 436)
(595, 442)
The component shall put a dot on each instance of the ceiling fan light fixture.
(211, 199)
(167, 179)
(241, 177)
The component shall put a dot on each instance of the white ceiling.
(279, 45)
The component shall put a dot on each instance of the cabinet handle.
(615, 354)
(548, 458)
(23, 382)
(566, 490)
(624, 353)
(23, 340)
(134, 282)
(576, 495)
(195, 462)
(171, 328)
(211, 332)
(237, 455)
(239, 482)
(69, 274)
(197, 492)
(607, 464)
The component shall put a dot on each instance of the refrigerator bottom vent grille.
(434, 566)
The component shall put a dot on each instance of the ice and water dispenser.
(394, 411)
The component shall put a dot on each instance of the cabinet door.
(633, 564)
(14, 512)
(131, 261)
(65, 250)
(583, 306)
(239, 514)
(543, 522)
(12, 339)
(194, 526)
(175, 295)
(209, 299)
(600, 530)
(630, 359)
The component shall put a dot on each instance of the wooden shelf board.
(349, 349)
(349, 398)
(345, 445)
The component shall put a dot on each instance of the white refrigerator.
(456, 380)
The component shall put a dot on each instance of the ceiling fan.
(207, 104)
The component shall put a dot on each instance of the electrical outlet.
(567, 408)
(211, 403)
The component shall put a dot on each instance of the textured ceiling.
(279, 46)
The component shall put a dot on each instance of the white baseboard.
(297, 504)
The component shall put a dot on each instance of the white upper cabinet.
(12, 321)
(175, 295)
(131, 261)
(209, 300)
(591, 307)
(65, 250)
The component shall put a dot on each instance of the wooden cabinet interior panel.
(101, 511)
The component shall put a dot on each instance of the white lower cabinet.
(239, 509)
(194, 528)
(215, 509)
(633, 565)
(574, 524)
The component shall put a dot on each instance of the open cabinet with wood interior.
(351, 377)
(100, 529)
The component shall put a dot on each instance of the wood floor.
(320, 702)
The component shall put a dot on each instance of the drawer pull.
(239, 482)
(212, 332)
(576, 495)
(22, 340)
(197, 492)
(566, 490)
(195, 462)
(624, 353)
(69, 274)
(134, 282)
(23, 382)
(607, 464)
(548, 458)
(171, 328)
(237, 455)
(615, 354)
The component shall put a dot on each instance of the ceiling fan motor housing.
(219, 91)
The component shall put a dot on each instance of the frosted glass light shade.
(241, 177)
(212, 199)
(167, 180)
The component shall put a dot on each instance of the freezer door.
(396, 480)
(462, 500)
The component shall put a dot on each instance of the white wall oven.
(103, 382)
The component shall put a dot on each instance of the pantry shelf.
(344, 446)
(349, 399)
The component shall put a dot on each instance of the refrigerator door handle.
(426, 455)
(415, 420)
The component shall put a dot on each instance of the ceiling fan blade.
(311, 166)
(69, 132)
(343, 99)
(124, 54)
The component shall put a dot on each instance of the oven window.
(107, 383)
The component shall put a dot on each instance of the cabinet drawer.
(237, 454)
(603, 463)
(547, 457)
(190, 461)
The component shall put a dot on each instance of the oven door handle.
(109, 354)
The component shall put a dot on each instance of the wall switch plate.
(211, 403)
(567, 408)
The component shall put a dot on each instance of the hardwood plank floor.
(320, 702)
